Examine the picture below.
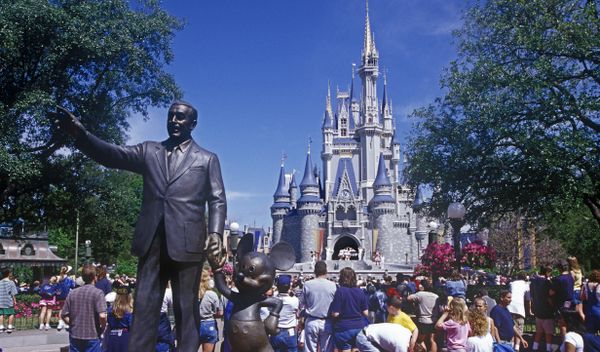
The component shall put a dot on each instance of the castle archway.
(346, 247)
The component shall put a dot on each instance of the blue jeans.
(363, 343)
(345, 340)
(78, 345)
(285, 341)
(208, 331)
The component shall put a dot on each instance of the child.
(397, 316)
(48, 293)
(286, 340)
(456, 327)
(575, 270)
(120, 316)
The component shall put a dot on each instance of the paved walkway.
(34, 341)
(45, 341)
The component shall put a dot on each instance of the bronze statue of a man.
(180, 180)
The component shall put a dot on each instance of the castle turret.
(383, 208)
(370, 130)
(328, 130)
(420, 228)
(309, 208)
(280, 207)
(293, 191)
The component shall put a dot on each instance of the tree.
(101, 59)
(574, 227)
(519, 126)
(520, 242)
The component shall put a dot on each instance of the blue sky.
(257, 71)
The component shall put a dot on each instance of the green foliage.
(127, 264)
(64, 240)
(28, 299)
(101, 59)
(23, 272)
(578, 232)
(519, 126)
(105, 61)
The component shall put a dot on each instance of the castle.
(358, 204)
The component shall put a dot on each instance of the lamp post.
(433, 226)
(88, 251)
(456, 215)
(233, 239)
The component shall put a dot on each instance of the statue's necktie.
(173, 161)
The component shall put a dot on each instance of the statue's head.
(255, 272)
(181, 120)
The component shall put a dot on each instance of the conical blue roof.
(309, 177)
(293, 181)
(382, 178)
(328, 121)
(281, 191)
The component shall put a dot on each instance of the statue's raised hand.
(215, 252)
(65, 121)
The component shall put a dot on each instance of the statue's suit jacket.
(179, 199)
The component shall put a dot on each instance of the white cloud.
(236, 195)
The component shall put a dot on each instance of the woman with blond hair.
(120, 317)
(210, 307)
(480, 339)
(480, 305)
(457, 326)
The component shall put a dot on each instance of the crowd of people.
(341, 313)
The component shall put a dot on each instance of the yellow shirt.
(402, 319)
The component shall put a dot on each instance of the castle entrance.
(345, 248)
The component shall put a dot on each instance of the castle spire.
(309, 177)
(328, 100)
(352, 84)
(281, 192)
(369, 49)
(382, 178)
(384, 103)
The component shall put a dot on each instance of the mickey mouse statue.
(253, 275)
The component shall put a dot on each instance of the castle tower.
(327, 151)
(370, 129)
(382, 207)
(280, 207)
(309, 208)
(293, 191)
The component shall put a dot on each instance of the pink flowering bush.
(437, 260)
(478, 256)
(23, 310)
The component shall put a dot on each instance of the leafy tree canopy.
(104, 60)
(519, 125)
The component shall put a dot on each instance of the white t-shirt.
(287, 316)
(574, 339)
(519, 289)
(167, 301)
(390, 336)
(480, 343)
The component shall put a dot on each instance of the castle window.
(340, 213)
(344, 133)
(351, 214)
(344, 122)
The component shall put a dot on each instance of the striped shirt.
(8, 290)
(83, 306)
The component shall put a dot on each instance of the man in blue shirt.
(504, 321)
